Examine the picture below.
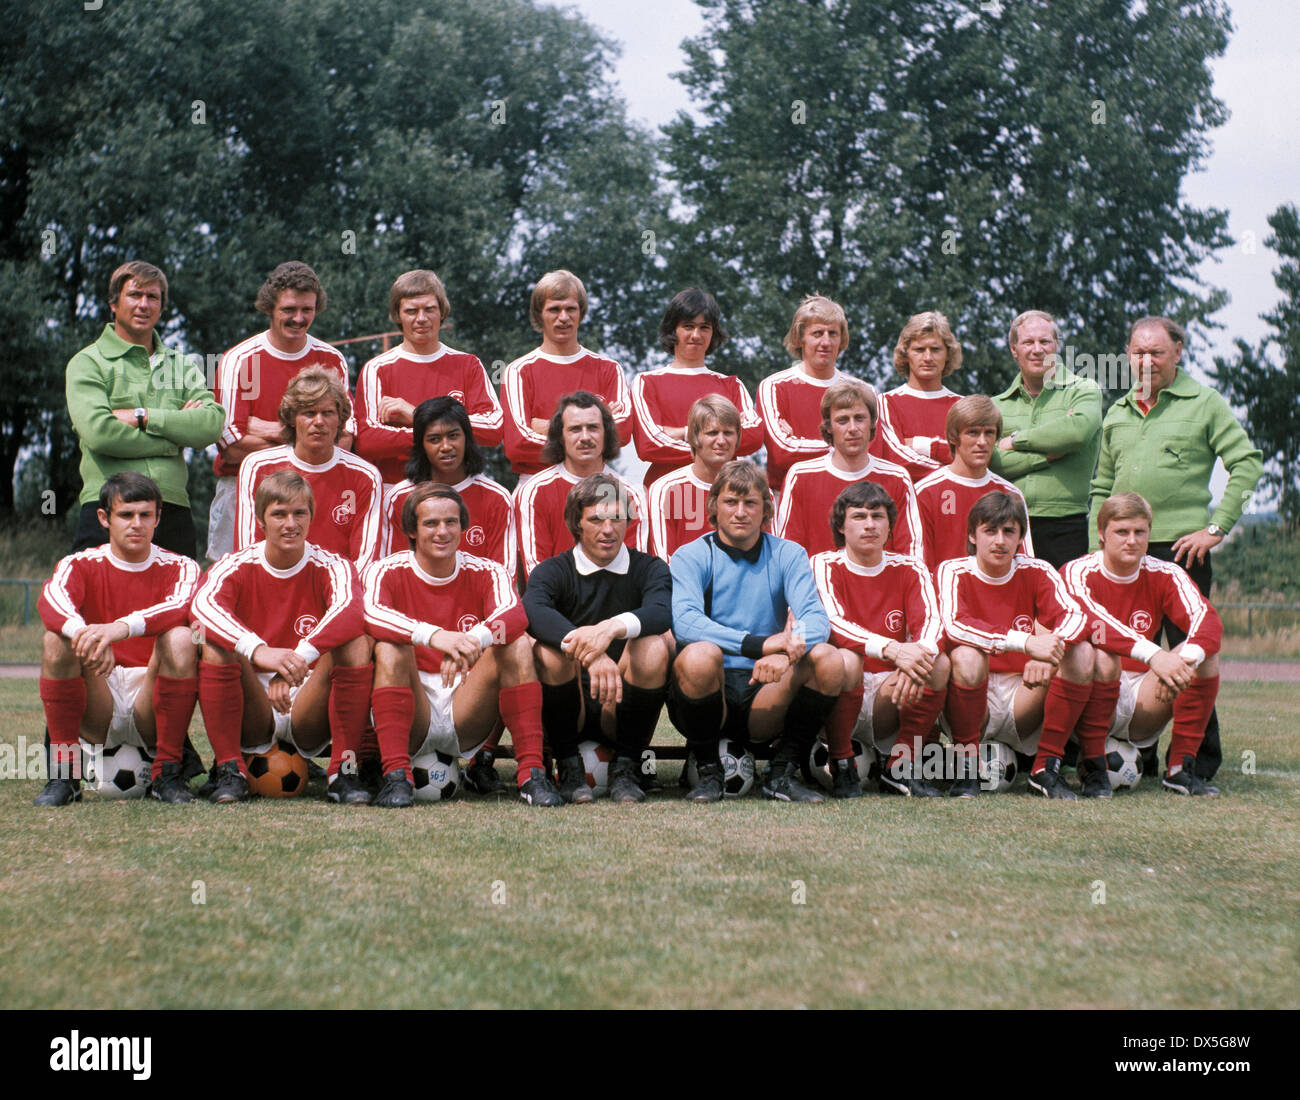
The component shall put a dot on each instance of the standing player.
(445, 451)
(284, 653)
(991, 603)
(450, 652)
(677, 500)
(600, 613)
(581, 439)
(534, 382)
(391, 385)
(944, 498)
(789, 401)
(754, 662)
(252, 379)
(812, 486)
(884, 618)
(118, 659)
(1127, 595)
(912, 416)
(346, 490)
(662, 398)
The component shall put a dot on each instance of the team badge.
(466, 623)
(475, 536)
(342, 515)
(1140, 621)
(1024, 624)
(894, 621)
(304, 625)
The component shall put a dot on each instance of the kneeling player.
(754, 661)
(885, 620)
(600, 613)
(1127, 595)
(284, 656)
(118, 658)
(990, 603)
(440, 688)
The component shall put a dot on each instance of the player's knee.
(852, 667)
(354, 653)
(940, 673)
(177, 653)
(1079, 663)
(1106, 666)
(56, 652)
(1208, 667)
(516, 659)
(650, 656)
(552, 666)
(699, 668)
(393, 663)
(828, 669)
(969, 666)
(212, 654)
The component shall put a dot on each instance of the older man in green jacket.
(1051, 418)
(1161, 439)
(136, 405)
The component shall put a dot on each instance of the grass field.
(473, 903)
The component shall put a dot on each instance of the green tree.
(216, 140)
(901, 155)
(1265, 380)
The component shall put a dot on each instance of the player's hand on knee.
(770, 669)
(586, 643)
(606, 683)
(280, 694)
(462, 648)
(285, 663)
(906, 691)
(1038, 673)
(1172, 671)
(1045, 647)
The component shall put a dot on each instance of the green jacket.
(112, 374)
(1064, 419)
(1168, 456)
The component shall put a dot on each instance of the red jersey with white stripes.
(811, 488)
(871, 606)
(1125, 613)
(348, 496)
(491, 530)
(906, 412)
(405, 605)
(311, 607)
(416, 378)
(665, 396)
(96, 586)
(790, 405)
(997, 614)
(944, 501)
(251, 381)
(539, 515)
(532, 388)
(677, 511)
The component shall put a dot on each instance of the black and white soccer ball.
(437, 776)
(819, 763)
(596, 759)
(737, 769)
(998, 767)
(116, 771)
(1123, 764)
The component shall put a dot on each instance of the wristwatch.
(1215, 530)
(139, 418)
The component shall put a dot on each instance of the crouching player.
(118, 658)
(284, 655)
(600, 613)
(1007, 680)
(884, 618)
(443, 688)
(1127, 595)
(754, 662)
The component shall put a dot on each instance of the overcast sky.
(1255, 166)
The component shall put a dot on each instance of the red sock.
(494, 738)
(967, 707)
(348, 709)
(221, 699)
(394, 709)
(839, 730)
(370, 749)
(1065, 702)
(64, 702)
(1192, 709)
(1094, 722)
(173, 707)
(916, 726)
(521, 710)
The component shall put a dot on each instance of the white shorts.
(125, 684)
(283, 727)
(221, 519)
(1130, 682)
(1002, 714)
(441, 734)
(871, 684)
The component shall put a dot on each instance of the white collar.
(585, 566)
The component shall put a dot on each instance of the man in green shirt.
(1052, 421)
(1161, 439)
(136, 405)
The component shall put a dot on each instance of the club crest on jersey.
(475, 536)
(894, 621)
(1140, 621)
(342, 514)
(466, 623)
(304, 625)
(1024, 624)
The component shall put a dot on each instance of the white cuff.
(1193, 653)
(483, 634)
(73, 627)
(422, 634)
(1144, 650)
(631, 624)
(874, 647)
(247, 644)
(307, 651)
(134, 624)
(1017, 640)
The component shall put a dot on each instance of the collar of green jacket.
(1059, 379)
(112, 346)
(1183, 385)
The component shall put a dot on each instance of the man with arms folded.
(884, 618)
(451, 656)
(601, 614)
(284, 653)
(118, 659)
(753, 663)
(991, 603)
(1127, 595)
